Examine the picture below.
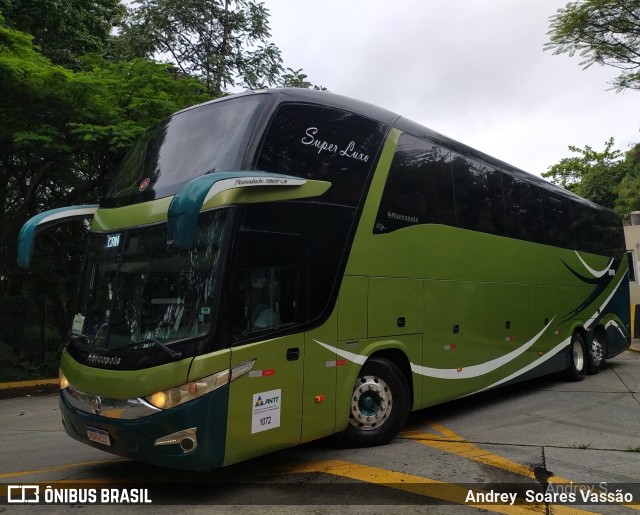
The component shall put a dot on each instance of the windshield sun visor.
(182, 217)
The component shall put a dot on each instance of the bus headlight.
(64, 383)
(187, 392)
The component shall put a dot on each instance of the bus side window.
(266, 290)
(582, 226)
(478, 196)
(558, 228)
(523, 207)
(419, 188)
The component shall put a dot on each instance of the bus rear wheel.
(597, 352)
(577, 369)
(379, 406)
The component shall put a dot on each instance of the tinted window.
(206, 139)
(133, 290)
(523, 207)
(326, 144)
(430, 184)
(609, 233)
(419, 187)
(285, 251)
(267, 291)
(478, 196)
(557, 220)
(582, 223)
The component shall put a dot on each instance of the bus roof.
(391, 119)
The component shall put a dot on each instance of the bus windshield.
(208, 138)
(135, 293)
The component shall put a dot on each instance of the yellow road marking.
(447, 440)
(455, 444)
(423, 486)
(8, 475)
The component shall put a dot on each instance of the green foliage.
(224, 42)
(610, 178)
(593, 175)
(63, 132)
(75, 97)
(64, 30)
(296, 79)
(629, 188)
(580, 445)
(606, 32)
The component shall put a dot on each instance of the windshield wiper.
(155, 341)
(87, 336)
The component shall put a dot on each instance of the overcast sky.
(473, 70)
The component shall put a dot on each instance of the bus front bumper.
(191, 436)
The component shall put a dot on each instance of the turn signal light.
(64, 383)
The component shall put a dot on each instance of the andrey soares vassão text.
(555, 494)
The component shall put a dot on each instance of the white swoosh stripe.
(489, 366)
(593, 272)
(616, 325)
(557, 348)
(356, 358)
(482, 368)
(448, 373)
(530, 366)
(613, 292)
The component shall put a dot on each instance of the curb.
(28, 384)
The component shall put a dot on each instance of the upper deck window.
(322, 143)
(208, 138)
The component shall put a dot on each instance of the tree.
(224, 42)
(610, 178)
(591, 174)
(629, 187)
(606, 32)
(296, 79)
(62, 133)
(65, 29)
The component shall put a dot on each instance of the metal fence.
(32, 333)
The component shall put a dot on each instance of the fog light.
(186, 439)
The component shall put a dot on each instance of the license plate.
(98, 435)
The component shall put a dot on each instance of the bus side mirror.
(45, 220)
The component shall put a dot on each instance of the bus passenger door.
(265, 404)
(265, 397)
(320, 374)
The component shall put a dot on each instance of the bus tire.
(379, 406)
(577, 369)
(597, 353)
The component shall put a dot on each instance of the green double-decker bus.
(274, 267)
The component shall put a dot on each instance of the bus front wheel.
(578, 357)
(379, 406)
